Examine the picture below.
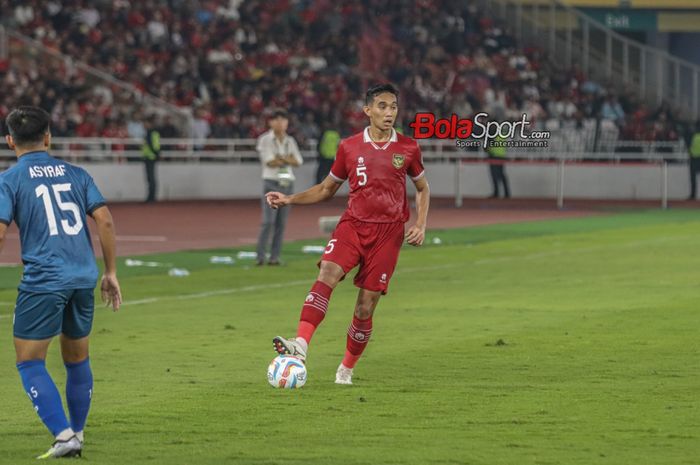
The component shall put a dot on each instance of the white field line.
(261, 287)
(485, 261)
(200, 295)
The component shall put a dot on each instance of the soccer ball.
(286, 371)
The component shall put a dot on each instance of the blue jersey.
(49, 199)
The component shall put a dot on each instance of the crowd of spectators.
(230, 60)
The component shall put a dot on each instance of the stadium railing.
(570, 146)
(572, 37)
(652, 154)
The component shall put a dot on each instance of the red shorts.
(374, 246)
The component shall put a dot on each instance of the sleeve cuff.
(5, 222)
(336, 178)
(95, 207)
(416, 178)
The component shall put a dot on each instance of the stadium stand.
(227, 59)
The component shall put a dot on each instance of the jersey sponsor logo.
(397, 160)
(47, 171)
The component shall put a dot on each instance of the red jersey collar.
(366, 138)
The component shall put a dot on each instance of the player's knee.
(330, 274)
(364, 310)
(74, 354)
(25, 356)
(74, 350)
(30, 350)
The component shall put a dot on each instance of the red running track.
(172, 226)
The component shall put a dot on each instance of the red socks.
(314, 310)
(312, 314)
(358, 337)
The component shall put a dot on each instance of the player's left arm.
(416, 233)
(6, 210)
(109, 286)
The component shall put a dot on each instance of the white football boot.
(343, 375)
(289, 347)
(69, 448)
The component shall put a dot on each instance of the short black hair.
(278, 113)
(375, 90)
(27, 125)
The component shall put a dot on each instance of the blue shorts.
(41, 315)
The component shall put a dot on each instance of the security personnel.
(694, 152)
(497, 155)
(150, 150)
(327, 149)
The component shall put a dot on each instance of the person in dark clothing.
(327, 147)
(497, 157)
(150, 151)
(694, 154)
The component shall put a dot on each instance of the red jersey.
(377, 173)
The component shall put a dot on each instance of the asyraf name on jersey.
(47, 171)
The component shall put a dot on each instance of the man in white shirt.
(201, 130)
(278, 152)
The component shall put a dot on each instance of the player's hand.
(111, 294)
(276, 199)
(415, 235)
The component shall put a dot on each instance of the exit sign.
(621, 21)
(624, 19)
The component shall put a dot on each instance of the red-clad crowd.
(229, 60)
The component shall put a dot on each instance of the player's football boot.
(343, 375)
(68, 448)
(289, 347)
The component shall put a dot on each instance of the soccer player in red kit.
(370, 233)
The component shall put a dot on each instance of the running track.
(172, 226)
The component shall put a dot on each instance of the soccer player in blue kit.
(49, 199)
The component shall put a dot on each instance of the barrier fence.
(652, 155)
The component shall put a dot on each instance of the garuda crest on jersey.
(397, 160)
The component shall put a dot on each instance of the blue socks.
(43, 393)
(47, 401)
(78, 392)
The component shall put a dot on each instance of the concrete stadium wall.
(126, 182)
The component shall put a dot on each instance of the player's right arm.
(318, 193)
(111, 293)
(315, 194)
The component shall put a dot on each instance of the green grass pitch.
(557, 342)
